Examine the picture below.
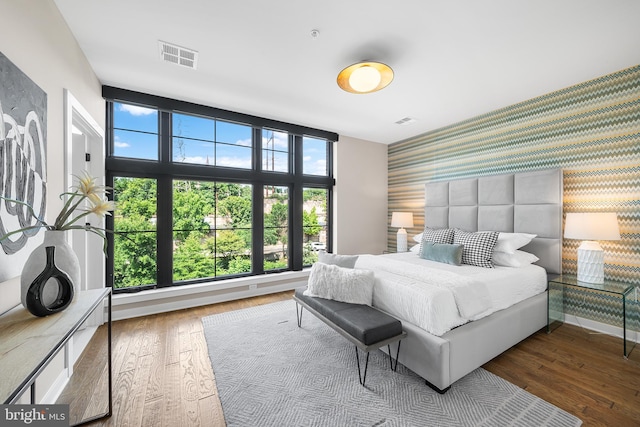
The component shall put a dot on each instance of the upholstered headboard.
(528, 202)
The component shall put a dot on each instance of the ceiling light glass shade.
(365, 77)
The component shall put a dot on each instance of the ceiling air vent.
(178, 55)
(406, 121)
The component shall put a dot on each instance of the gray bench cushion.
(366, 324)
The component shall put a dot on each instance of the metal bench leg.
(361, 378)
(395, 368)
(299, 315)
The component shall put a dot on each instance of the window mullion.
(257, 218)
(257, 240)
(164, 227)
(296, 235)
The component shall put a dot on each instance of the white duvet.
(438, 297)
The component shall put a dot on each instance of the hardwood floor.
(162, 375)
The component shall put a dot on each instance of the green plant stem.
(66, 211)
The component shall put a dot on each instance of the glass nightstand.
(556, 302)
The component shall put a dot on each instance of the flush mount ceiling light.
(365, 77)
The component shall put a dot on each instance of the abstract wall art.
(23, 172)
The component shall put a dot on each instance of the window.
(314, 223)
(211, 142)
(134, 246)
(276, 227)
(211, 229)
(135, 132)
(315, 156)
(275, 151)
(204, 194)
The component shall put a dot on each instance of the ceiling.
(452, 60)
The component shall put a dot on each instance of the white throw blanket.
(425, 296)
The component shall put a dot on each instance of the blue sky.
(194, 141)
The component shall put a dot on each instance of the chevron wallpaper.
(590, 130)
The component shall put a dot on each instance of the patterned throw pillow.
(477, 247)
(438, 235)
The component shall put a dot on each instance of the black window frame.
(164, 170)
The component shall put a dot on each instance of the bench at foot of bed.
(366, 327)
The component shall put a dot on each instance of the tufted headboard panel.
(527, 202)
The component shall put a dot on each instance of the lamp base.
(401, 245)
(590, 262)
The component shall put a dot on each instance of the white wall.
(360, 199)
(35, 37)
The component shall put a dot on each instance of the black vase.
(34, 301)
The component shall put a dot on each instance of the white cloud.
(199, 160)
(234, 162)
(306, 158)
(134, 110)
(319, 167)
(120, 144)
(280, 139)
(244, 142)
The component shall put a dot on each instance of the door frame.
(76, 116)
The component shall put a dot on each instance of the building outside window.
(204, 194)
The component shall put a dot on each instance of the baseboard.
(602, 328)
(55, 390)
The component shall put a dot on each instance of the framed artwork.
(23, 172)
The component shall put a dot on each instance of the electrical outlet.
(253, 287)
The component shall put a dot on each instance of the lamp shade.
(402, 219)
(592, 226)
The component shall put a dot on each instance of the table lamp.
(402, 219)
(590, 227)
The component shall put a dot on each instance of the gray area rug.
(269, 372)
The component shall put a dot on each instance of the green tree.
(310, 224)
(227, 245)
(238, 209)
(190, 208)
(309, 256)
(191, 260)
(135, 196)
(239, 264)
(317, 194)
(134, 252)
(277, 221)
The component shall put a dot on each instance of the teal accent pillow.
(442, 252)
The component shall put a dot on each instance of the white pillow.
(415, 249)
(516, 259)
(418, 238)
(354, 286)
(509, 242)
(345, 261)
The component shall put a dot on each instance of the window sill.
(153, 301)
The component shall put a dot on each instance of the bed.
(528, 202)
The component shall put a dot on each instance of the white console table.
(29, 343)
